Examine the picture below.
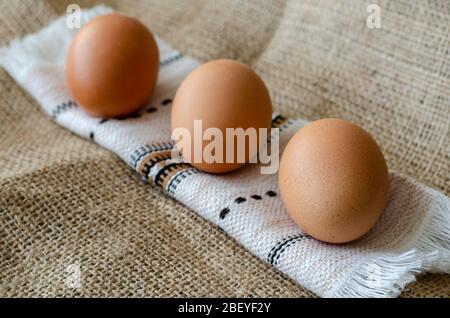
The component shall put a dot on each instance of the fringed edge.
(388, 275)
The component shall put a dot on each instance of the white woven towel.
(413, 235)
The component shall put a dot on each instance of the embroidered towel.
(412, 236)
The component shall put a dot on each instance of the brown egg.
(333, 180)
(112, 65)
(222, 94)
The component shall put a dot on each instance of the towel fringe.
(388, 275)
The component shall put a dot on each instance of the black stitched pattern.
(277, 120)
(156, 153)
(152, 155)
(279, 248)
(224, 212)
(61, 108)
(288, 123)
(281, 122)
(166, 102)
(130, 116)
(166, 170)
(143, 151)
(171, 59)
(149, 165)
(176, 180)
(240, 200)
(135, 115)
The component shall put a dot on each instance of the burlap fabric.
(66, 201)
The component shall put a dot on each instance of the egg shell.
(333, 180)
(112, 65)
(223, 94)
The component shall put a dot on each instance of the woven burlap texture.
(65, 201)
